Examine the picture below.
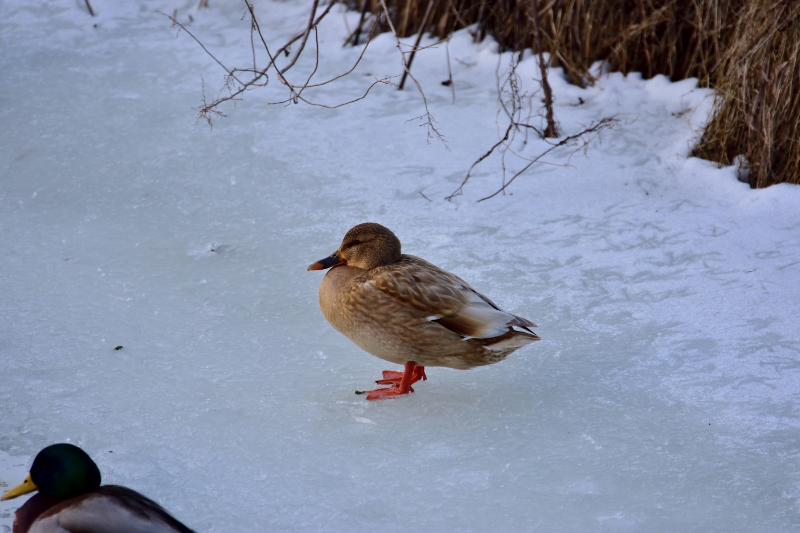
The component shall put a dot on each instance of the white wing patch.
(479, 318)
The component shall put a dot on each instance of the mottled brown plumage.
(403, 309)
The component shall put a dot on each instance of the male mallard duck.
(407, 311)
(71, 500)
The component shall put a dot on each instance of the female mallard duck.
(407, 311)
(71, 500)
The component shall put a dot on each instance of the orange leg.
(392, 377)
(400, 383)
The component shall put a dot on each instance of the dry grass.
(758, 107)
(747, 49)
(679, 38)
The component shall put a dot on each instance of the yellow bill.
(23, 488)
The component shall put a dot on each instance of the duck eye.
(353, 243)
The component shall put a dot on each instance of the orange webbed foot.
(400, 382)
(390, 377)
(387, 393)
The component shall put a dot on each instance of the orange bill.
(328, 262)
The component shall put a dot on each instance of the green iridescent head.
(61, 471)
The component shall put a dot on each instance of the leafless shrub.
(239, 80)
(427, 118)
(578, 141)
(516, 113)
(746, 49)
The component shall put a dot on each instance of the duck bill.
(23, 488)
(328, 262)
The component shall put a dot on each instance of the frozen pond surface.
(663, 397)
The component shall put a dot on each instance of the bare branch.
(305, 36)
(316, 63)
(343, 74)
(357, 34)
(266, 48)
(384, 81)
(257, 74)
(449, 71)
(593, 128)
(551, 130)
(236, 83)
(517, 107)
(416, 44)
(417, 48)
(212, 56)
(430, 122)
(460, 189)
(206, 114)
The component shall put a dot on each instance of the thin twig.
(430, 122)
(384, 81)
(316, 64)
(252, 43)
(271, 63)
(460, 189)
(257, 75)
(214, 112)
(418, 48)
(551, 130)
(407, 68)
(305, 37)
(182, 27)
(364, 7)
(343, 74)
(449, 71)
(595, 127)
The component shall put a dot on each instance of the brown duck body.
(411, 310)
(110, 508)
(407, 311)
(70, 499)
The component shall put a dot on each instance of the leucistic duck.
(405, 310)
(71, 500)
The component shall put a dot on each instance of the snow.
(663, 396)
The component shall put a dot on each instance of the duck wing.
(108, 509)
(446, 299)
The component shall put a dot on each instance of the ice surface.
(663, 396)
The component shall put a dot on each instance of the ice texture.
(663, 396)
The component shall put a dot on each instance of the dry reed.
(747, 49)
(758, 109)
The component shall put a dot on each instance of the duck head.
(61, 471)
(365, 246)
